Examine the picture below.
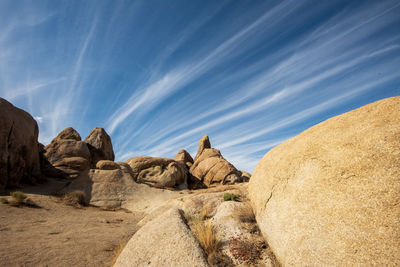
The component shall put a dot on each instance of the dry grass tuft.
(244, 213)
(205, 212)
(205, 233)
(76, 199)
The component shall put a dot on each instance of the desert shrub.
(3, 200)
(18, 197)
(205, 233)
(75, 198)
(230, 196)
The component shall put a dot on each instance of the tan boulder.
(330, 196)
(211, 168)
(100, 146)
(67, 144)
(19, 148)
(164, 241)
(107, 165)
(104, 188)
(184, 156)
(69, 133)
(160, 172)
(203, 144)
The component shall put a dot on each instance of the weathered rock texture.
(330, 196)
(100, 146)
(67, 154)
(203, 144)
(165, 241)
(160, 172)
(184, 157)
(104, 188)
(107, 165)
(19, 148)
(211, 168)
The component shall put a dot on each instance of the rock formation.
(100, 146)
(160, 172)
(184, 157)
(330, 196)
(211, 168)
(66, 153)
(203, 144)
(104, 187)
(19, 147)
(165, 240)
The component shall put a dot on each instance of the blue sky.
(158, 75)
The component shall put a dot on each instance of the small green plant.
(230, 197)
(18, 196)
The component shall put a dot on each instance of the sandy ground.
(61, 235)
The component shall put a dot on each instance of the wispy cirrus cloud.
(158, 77)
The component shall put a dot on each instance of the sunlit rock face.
(19, 147)
(330, 196)
(184, 157)
(211, 168)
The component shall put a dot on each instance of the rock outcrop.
(100, 146)
(330, 196)
(211, 168)
(164, 240)
(203, 144)
(19, 147)
(159, 172)
(67, 154)
(104, 188)
(184, 157)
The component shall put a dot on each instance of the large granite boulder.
(211, 168)
(100, 146)
(330, 196)
(164, 241)
(19, 147)
(104, 188)
(159, 172)
(66, 155)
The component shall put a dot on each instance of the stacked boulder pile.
(67, 155)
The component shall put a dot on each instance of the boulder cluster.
(24, 160)
(67, 155)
